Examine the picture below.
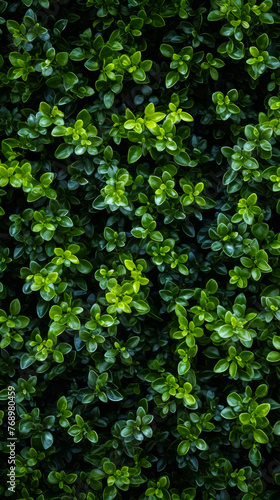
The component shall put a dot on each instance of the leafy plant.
(140, 247)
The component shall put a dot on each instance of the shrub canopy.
(140, 280)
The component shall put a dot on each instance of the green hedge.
(140, 279)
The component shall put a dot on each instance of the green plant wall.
(139, 249)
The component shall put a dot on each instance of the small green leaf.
(134, 153)
(109, 468)
(166, 50)
(221, 366)
(109, 493)
(47, 440)
(260, 436)
(273, 356)
(183, 447)
(58, 356)
(92, 436)
(63, 151)
(62, 58)
(171, 79)
(255, 456)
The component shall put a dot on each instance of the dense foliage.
(140, 279)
